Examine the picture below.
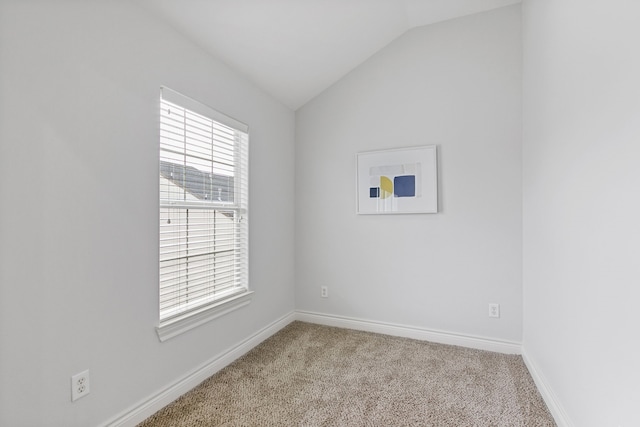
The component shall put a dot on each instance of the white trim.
(442, 337)
(209, 312)
(204, 110)
(553, 403)
(144, 409)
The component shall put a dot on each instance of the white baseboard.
(481, 343)
(150, 406)
(559, 415)
(144, 409)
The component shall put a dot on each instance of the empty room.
(319, 212)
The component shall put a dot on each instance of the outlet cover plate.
(494, 310)
(79, 385)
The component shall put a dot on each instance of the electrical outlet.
(324, 292)
(79, 385)
(494, 310)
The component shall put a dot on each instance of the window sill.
(180, 325)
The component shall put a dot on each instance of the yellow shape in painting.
(386, 187)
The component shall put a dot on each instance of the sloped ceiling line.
(295, 49)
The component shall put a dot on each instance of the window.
(203, 214)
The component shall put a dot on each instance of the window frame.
(187, 315)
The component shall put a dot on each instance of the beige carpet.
(311, 375)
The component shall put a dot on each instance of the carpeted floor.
(311, 375)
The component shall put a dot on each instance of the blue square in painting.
(404, 186)
(374, 192)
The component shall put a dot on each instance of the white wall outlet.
(324, 291)
(79, 385)
(494, 310)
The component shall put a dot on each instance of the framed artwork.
(397, 181)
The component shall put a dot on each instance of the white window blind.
(203, 207)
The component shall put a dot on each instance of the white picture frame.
(397, 181)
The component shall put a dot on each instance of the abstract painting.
(397, 181)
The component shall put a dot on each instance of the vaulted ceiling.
(295, 49)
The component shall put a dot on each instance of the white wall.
(581, 206)
(457, 85)
(79, 97)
